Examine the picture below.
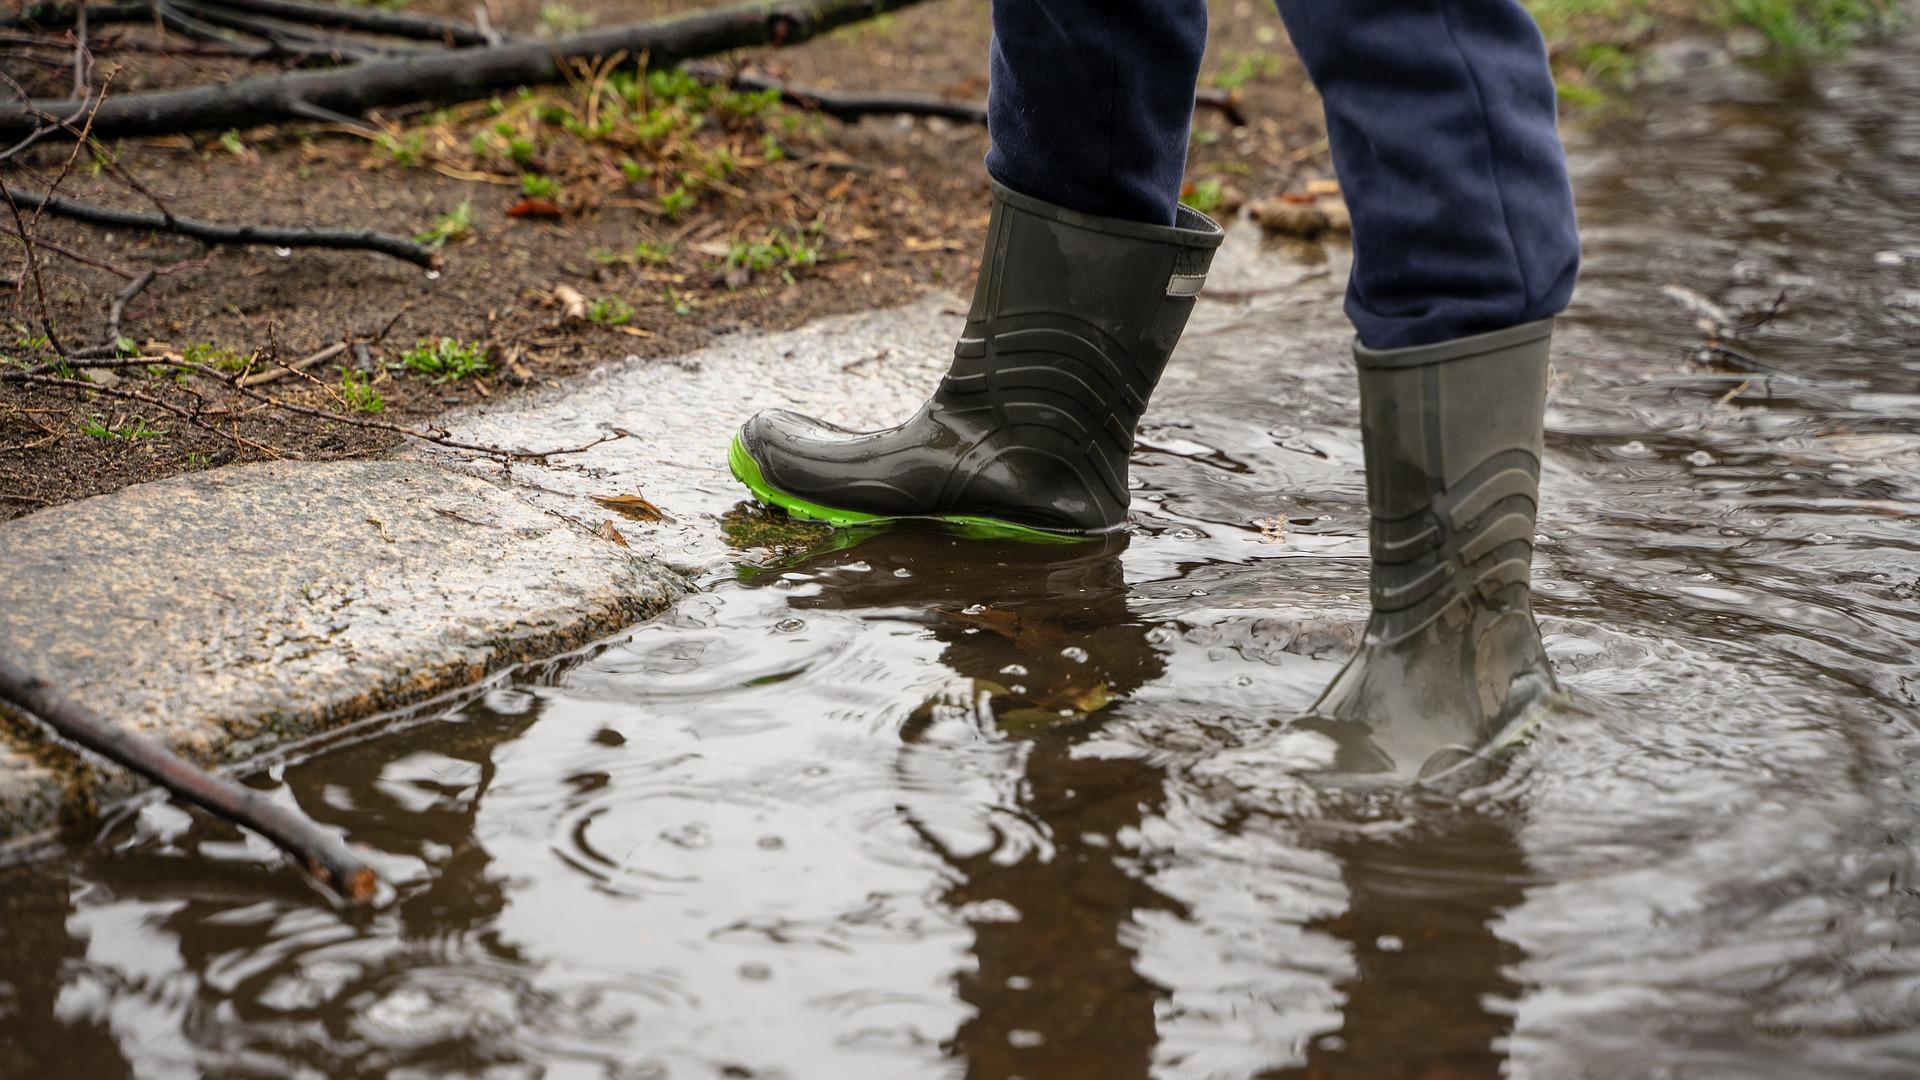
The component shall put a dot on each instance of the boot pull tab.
(1185, 285)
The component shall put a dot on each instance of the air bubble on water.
(1388, 943)
(1888, 258)
(1161, 635)
(1017, 688)
(285, 253)
(692, 836)
(1187, 535)
(1636, 448)
(790, 626)
(858, 567)
(1699, 457)
(974, 609)
(1197, 592)
(903, 572)
(1075, 653)
(1013, 669)
(1024, 1039)
(1243, 680)
(995, 910)
(1019, 982)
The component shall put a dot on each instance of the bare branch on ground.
(320, 852)
(463, 75)
(208, 232)
(368, 20)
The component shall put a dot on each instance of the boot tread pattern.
(1475, 537)
(1074, 384)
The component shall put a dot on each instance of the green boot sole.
(747, 471)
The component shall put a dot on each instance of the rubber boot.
(1452, 657)
(1029, 433)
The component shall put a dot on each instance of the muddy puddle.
(915, 806)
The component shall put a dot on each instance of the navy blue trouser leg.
(1441, 119)
(1090, 101)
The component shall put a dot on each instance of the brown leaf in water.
(1027, 633)
(606, 531)
(635, 507)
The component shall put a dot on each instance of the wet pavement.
(906, 805)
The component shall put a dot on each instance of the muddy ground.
(887, 206)
(737, 218)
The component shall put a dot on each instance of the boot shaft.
(1073, 319)
(1453, 437)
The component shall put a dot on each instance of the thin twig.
(81, 386)
(320, 852)
(849, 107)
(208, 232)
(298, 366)
(43, 375)
(118, 309)
(81, 257)
(82, 62)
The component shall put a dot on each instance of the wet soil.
(900, 207)
(905, 805)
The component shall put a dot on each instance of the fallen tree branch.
(851, 106)
(464, 75)
(368, 20)
(320, 852)
(208, 232)
(59, 14)
(295, 42)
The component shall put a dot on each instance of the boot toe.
(779, 439)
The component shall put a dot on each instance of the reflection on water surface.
(916, 806)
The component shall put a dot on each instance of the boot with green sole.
(1451, 665)
(1072, 322)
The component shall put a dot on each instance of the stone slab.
(228, 612)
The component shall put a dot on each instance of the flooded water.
(917, 806)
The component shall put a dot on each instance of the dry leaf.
(637, 507)
(606, 531)
(533, 207)
(572, 305)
